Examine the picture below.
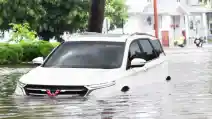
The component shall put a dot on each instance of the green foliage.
(10, 55)
(30, 51)
(52, 17)
(45, 47)
(18, 49)
(116, 11)
(24, 51)
(22, 32)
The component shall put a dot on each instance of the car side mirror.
(38, 60)
(138, 62)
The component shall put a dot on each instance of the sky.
(136, 5)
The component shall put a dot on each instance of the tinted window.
(134, 52)
(148, 52)
(83, 54)
(157, 46)
(134, 49)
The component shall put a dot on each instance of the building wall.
(198, 25)
(192, 2)
(167, 2)
(138, 22)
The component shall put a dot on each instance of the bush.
(10, 54)
(26, 47)
(24, 51)
(45, 48)
(30, 51)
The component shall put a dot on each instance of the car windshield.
(87, 54)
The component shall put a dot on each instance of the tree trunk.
(96, 19)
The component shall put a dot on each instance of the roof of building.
(174, 9)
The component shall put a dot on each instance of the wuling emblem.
(50, 94)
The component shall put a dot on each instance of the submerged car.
(96, 64)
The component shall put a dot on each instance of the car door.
(161, 60)
(139, 73)
(154, 71)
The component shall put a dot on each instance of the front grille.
(40, 90)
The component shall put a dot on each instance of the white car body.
(96, 82)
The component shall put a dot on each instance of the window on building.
(210, 27)
(178, 0)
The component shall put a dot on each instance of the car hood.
(69, 76)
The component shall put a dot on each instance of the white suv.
(97, 64)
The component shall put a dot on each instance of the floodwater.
(186, 96)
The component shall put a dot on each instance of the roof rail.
(137, 33)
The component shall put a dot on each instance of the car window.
(148, 51)
(134, 49)
(87, 54)
(157, 46)
(134, 52)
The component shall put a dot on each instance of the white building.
(174, 17)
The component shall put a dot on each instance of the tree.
(47, 17)
(53, 17)
(96, 16)
(63, 15)
(22, 32)
(20, 11)
(116, 11)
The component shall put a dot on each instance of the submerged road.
(186, 96)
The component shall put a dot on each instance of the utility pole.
(155, 18)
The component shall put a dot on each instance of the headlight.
(19, 91)
(20, 84)
(101, 85)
